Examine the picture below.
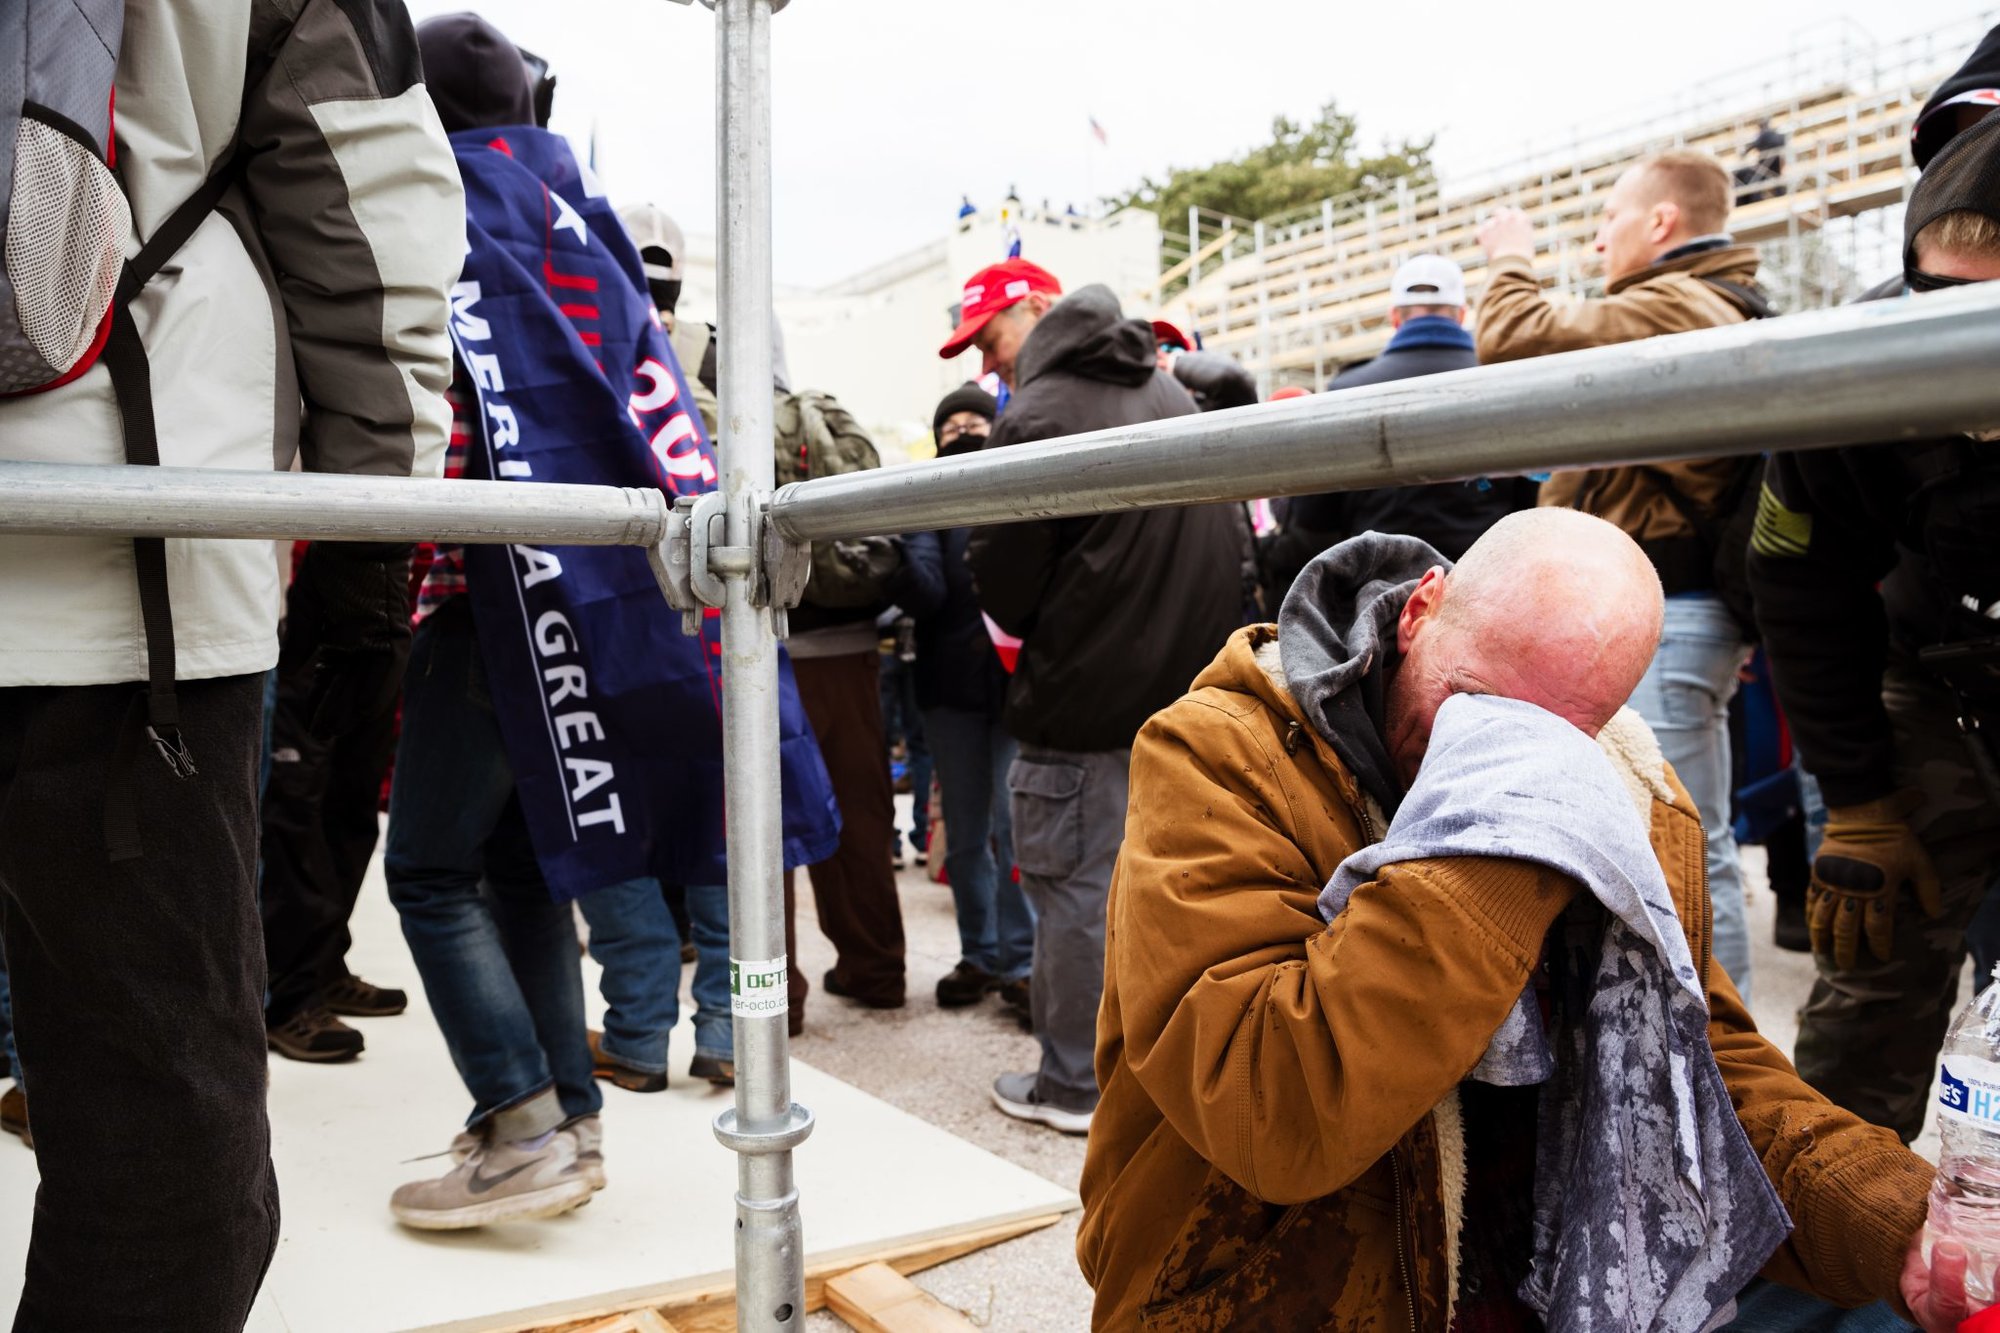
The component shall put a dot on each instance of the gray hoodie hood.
(1087, 334)
(1337, 638)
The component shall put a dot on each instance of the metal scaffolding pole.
(1877, 371)
(764, 1125)
(1882, 370)
(59, 499)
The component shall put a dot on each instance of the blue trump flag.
(612, 717)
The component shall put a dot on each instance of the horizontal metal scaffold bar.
(1884, 370)
(67, 498)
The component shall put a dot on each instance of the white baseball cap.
(1427, 280)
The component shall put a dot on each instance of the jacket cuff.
(1856, 788)
(1519, 899)
(1865, 1213)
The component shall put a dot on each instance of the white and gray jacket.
(304, 319)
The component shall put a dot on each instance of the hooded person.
(1877, 575)
(1960, 102)
(509, 800)
(333, 722)
(1114, 613)
(1378, 1052)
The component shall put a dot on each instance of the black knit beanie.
(476, 77)
(1963, 178)
(967, 397)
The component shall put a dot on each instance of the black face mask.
(666, 292)
(964, 443)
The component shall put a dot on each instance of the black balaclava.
(475, 75)
(1963, 177)
(967, 397)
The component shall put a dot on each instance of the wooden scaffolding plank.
(713, 1309)
(875, 1298)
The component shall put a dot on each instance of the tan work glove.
(1868, 857)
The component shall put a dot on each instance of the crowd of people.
(1362, 863)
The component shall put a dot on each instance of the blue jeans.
(1766, 1307)
(1684, 696)
(10, 1064)
(996, 927)
(497, 955)
(633, 938)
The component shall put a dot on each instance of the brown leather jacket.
(1278, 1145)
(1518, 320)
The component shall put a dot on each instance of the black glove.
(351, 604)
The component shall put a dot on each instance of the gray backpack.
(63, 217)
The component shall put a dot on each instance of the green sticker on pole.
(758, 989)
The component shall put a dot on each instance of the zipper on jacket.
(1402, 1256)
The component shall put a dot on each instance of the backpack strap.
(124, 358)
(1749, 299)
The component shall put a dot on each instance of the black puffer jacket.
(1118, 612)
(956, 665)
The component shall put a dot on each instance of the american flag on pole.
(1098, 130)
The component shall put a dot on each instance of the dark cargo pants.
(1069, 822)
(1869, 1035)
(854, 890)
(138, 1009)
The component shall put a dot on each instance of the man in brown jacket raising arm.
(1288, 1136)
(1669, 267)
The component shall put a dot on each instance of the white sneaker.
(1015, 1095)
(588, 1131)
(498, 1182)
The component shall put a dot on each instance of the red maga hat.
(1166, 331)
(992, 290)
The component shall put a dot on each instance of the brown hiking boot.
(355, 998)
(618, 1074)
(315, 1036)
(14, 1114)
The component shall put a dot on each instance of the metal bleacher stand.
(1297, 296)
(1884, 371)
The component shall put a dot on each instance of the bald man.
(1669, 267)
(1287, 1137)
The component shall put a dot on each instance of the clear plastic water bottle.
(1965, 1200)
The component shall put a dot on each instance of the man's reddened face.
(999, 343)
(1422, 680)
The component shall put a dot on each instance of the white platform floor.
(343, 1137)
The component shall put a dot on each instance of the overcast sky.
(887, 110)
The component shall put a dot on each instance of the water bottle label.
(1969, 1090)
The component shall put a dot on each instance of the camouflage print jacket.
(1279, 1143)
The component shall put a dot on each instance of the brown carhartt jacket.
(1518, 320)
(1279, 1145)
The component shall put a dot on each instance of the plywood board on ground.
(871, 1179)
